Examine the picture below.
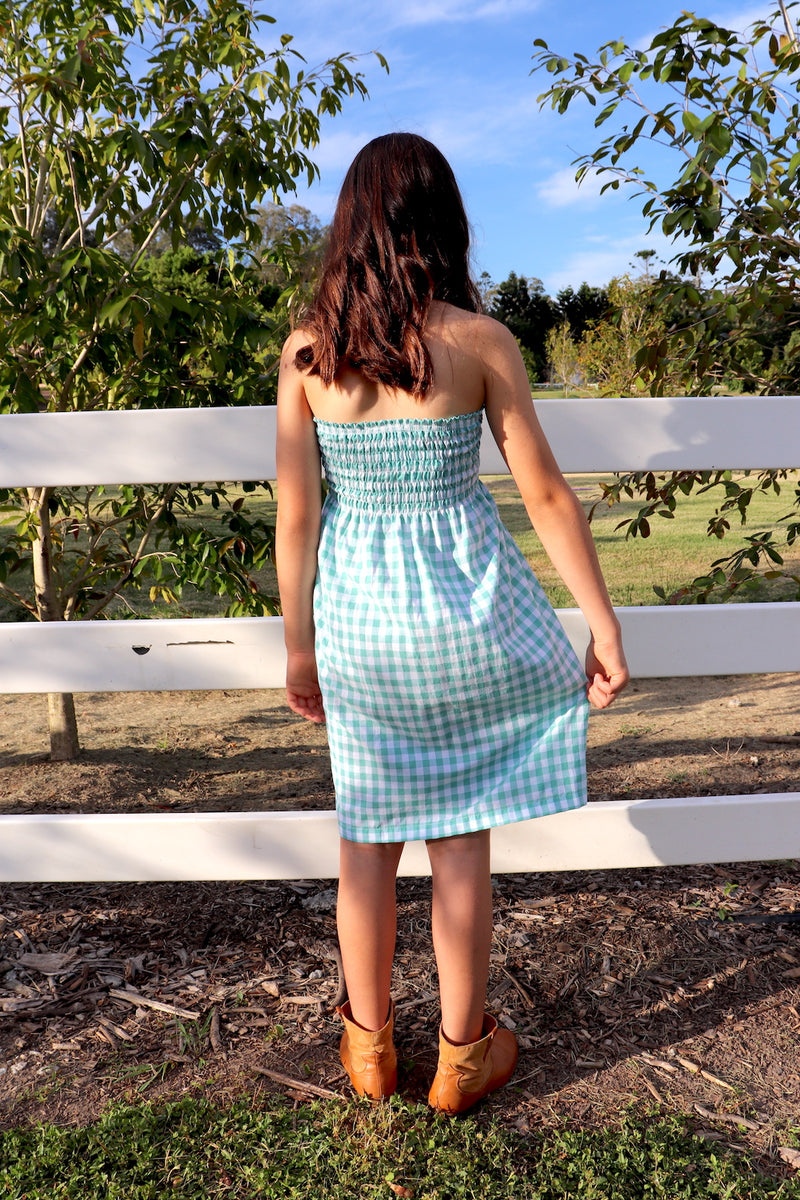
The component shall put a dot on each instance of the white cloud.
(321, 203)
(602, 258)
(561, 188)
(493, 133)
(338, 147)
(595, 267)
(378, 16)
(740, 18)
(320, 23)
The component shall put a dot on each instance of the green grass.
(345, 1151)
(677, 550)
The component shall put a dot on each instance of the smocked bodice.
(412, 464)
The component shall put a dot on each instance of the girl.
(413, 625)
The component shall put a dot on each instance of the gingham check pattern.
(454, 700)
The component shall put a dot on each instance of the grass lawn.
(677, 550)
(345, 1151)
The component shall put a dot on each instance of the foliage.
(528, 311)
(486, 287)
(292, 242)
(562, 356)
(524, 306)
(743, 569)
(101, 159)
(200, 138)
(608, 349)
(727, 106)
(733, 210)
(136, 538)
(267, 1149)
(581, 308)
(674, 551)
(128, 131)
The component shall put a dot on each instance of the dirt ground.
(670, 989)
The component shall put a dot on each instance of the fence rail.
(193, 445)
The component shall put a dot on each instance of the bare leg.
(366, 917)
(462, 930)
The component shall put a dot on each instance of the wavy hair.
(399, 240)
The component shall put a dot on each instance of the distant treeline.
(608, 326)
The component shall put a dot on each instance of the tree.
(608, 349)
(645, 256)
(528, 311)
(582, 308)
(727, 107)
(292, 241)
(487, 288)
(289, 257)
(562, 356)
(102, 160)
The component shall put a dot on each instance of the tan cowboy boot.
(369, 1058)
(466, 1074)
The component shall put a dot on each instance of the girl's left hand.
(607, 672)
(302, 686)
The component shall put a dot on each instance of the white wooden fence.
(234, 444)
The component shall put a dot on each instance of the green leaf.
(719, 138)
(27, 397)
(691, 123)
(113, 308)
(70, 69)
(758, 169)
(138, 339)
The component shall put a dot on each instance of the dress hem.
(456, 828)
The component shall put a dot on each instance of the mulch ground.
(674, 990)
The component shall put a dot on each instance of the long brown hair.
(399, 239)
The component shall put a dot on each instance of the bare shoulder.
(496, 339)
(297, 340)
(292, 379)
(482, 332)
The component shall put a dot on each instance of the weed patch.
(190, 1150)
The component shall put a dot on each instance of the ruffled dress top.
(453, 698)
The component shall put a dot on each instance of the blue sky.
(459, 75)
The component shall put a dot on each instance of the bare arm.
(553, 508)
(297, 534)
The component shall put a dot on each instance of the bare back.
(454, 339)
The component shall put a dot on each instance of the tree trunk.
(64, 743)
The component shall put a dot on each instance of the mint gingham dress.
(453, 699)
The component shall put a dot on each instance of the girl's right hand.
(606, 671)
(302, 686)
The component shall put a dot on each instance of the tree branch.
(66, 387)
(40, 209)
(101, 203)
(75, 196)
(23, 139)
(70, 591)
(791, 33)
(5, 590)
(138, 554)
